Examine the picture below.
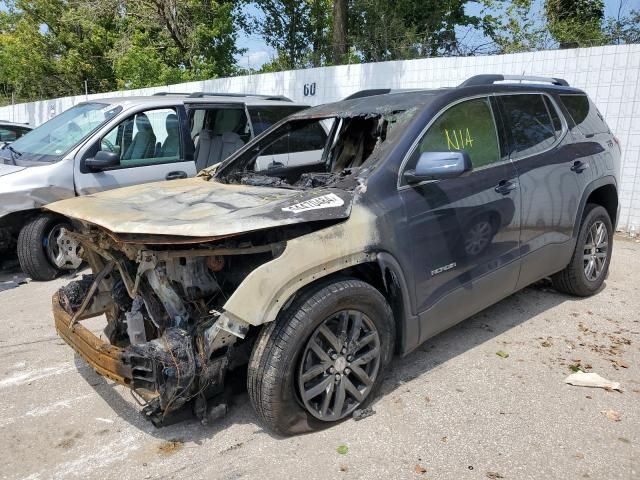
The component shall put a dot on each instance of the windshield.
(310, 152)
(51, 140)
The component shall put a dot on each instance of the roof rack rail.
(367, 93)
(491, 79)
(281, 98)
(381, 91)
(240, 95)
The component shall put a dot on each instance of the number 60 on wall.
(309, 89)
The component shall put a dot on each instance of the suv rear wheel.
(590, 262)
(322, 358)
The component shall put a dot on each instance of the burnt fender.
(408, 325)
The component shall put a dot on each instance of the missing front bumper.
(108, 360)
(167, 373)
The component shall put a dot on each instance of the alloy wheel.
(339, 365)
(596, 250)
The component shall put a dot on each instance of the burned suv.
(308, 260)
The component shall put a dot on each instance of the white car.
(115, 142)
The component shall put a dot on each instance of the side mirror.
(438, 166)
(102, 161)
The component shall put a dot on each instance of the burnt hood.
(196, 207)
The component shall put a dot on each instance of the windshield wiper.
(14, 153)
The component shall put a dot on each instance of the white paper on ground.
(582, 379)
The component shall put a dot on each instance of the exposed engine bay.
(163, 311)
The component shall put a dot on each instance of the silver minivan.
(114, 142)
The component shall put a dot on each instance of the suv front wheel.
(322, 358)
(590, 262)
(41, 254)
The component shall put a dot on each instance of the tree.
(382, 30)
(340, 22)
(180, 39)
(48, 48)
(575, 23)
(623, 29)
(515, 26)
(297, 30)
(64, 40)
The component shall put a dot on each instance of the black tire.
(573, 279)
(272, 380)
(32, 253)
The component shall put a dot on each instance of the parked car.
(115, 142)
(419, 210)
(10, 132)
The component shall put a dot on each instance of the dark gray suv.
(307, 260)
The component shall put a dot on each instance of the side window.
(528, 120)
(146, 138)
(11, 133)
(7, 134)
(263, 117)
(299, 147)
(467, 126)
(209, 122)
(585, 114)
(555, 117)
(310, 137)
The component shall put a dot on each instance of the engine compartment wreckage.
(184, 270)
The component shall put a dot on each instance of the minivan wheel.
(590, 262)
(322, 358)
(38, 251)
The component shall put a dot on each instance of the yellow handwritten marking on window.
(460, 140)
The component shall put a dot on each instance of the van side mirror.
(439, 166)
(102, 161)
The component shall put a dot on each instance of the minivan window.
(584, 114)
(10, 133)
(146, 138)
(467, 126)
(51, 140)
(262, 117)
(528, 120)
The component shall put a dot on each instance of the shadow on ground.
(442, 348)
(11, 275)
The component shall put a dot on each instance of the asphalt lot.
(451, 410)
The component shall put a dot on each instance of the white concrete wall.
(610, 75)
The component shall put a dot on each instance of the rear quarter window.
(584, 114)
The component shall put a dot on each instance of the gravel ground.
(451, 410)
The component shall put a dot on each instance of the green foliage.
(48, 48)
(623, 30)
(575, 23)
(297, 30)
(513, 26)
(382, 30)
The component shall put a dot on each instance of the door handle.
(579, 166)
(505, 187)
(175, 175)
